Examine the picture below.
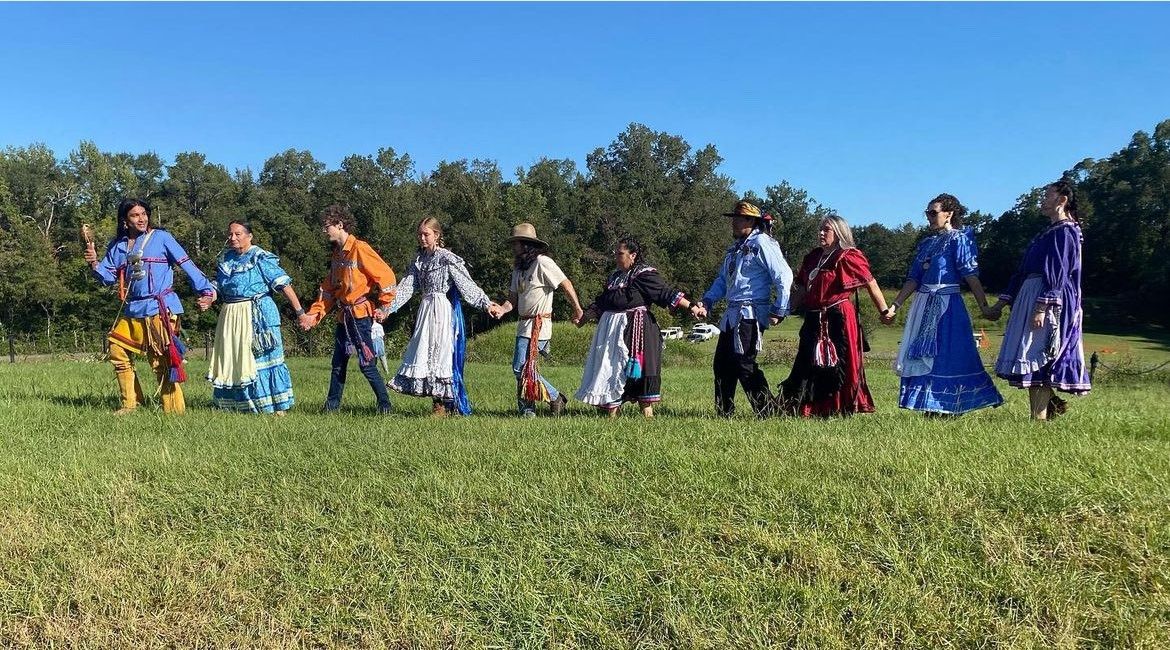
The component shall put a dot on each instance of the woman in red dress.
(828, 376)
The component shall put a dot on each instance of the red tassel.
(825, 355)
(531, 390)
(178, 374)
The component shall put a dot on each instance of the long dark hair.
(124, 209)
(529, 251)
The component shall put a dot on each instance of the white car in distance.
(702, 332)
(672, 333)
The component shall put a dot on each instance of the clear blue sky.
(872, 108)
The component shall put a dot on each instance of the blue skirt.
(957, 382)
(272, 390)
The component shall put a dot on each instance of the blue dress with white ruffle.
(939, 364)
(255, 274)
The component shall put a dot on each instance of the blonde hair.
(841, 229)
(433, 224)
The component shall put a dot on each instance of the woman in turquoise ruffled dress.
(247, 369)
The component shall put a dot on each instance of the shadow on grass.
(1111, 317)
(96, 402)
(109, 402)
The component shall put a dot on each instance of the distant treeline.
(651, 185)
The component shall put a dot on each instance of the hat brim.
(736, 214)
(531, 240)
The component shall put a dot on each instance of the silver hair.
(841, 229)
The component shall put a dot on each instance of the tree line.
(648, 184)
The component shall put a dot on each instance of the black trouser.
(731, 367)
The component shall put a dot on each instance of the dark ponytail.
(634, 247)
(1064, 187)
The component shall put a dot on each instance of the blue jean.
(519, 356)
(341, 365)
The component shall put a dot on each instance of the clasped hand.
(992, 313)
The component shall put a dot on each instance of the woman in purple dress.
(1042, 348)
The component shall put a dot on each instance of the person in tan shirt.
(358, 280)
(534, 279)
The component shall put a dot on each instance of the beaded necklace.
(812, 275)
(937, 247)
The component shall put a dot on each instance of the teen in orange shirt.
(356, 273)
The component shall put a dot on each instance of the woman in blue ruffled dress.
(937, 359)
(247, 369)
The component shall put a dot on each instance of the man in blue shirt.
(752, 268)
(140, 260)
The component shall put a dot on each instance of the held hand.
(887, 317)
(306, 321)
(775, 320)
(381, 314)
(90, 254)
(1038, 320)
(699, 311)
(581, 317)
(204, 302)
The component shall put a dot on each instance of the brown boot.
(170, 393)
(128, 387)
(131, 391)
(439, 410)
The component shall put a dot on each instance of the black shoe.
(557, 406)
(1056, 406)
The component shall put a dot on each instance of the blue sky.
(872, 108)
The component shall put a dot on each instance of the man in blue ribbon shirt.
(753, 267)
(139, 260)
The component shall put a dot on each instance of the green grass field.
(354, 530)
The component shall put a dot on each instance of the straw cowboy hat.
(745, 209)
(526, 232)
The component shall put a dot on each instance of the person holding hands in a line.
(535, 277)
(755, 279)
(356, 272)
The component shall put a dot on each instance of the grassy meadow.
(355, 530)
